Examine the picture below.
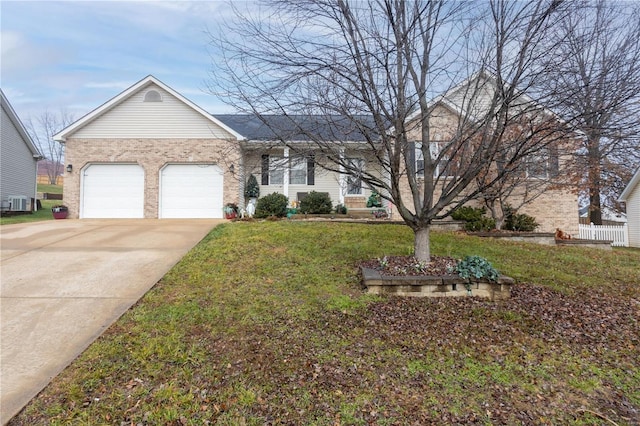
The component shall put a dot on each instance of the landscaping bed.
(406, 276)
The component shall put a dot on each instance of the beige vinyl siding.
(324, 182)
(17, 165)
(473, 99)
(134, 118)
(633, 217)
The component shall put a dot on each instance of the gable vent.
(152, 96)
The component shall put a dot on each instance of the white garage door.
(191, 191)
(112, 191)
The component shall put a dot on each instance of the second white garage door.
(112, 191)
(191, 191)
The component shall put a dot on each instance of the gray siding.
(633, 217)
(17, 165)
(168, 119)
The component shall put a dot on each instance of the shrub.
(476, 267)
(374, 200)
(475, 218)
(272, 205)
(252, 190)
(316, 203)
(514, 221)
(341, 209)
(379, 213)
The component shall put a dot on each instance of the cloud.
(20, 55)
(79, 54)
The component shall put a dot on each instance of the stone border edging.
(434, 286)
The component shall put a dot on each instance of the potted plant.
(252, 190)
(230, 211)
(60, 212)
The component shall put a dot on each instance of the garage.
(191, 191)
(112, 191)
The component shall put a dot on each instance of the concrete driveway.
(63, 282)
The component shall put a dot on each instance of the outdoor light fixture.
(69, 168)
(232, 169)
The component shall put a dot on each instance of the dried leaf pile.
(410, 361)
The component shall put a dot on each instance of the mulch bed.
(409, 265)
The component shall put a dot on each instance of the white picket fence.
(618, 234)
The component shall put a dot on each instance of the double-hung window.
(538, 165)
(354, 180)
(446, 167)
(419, 159)
(301, 170)
(277, 166)
(298, 170)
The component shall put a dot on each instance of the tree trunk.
(421, 244)
(595, 206)
(594, 176)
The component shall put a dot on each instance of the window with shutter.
(277, 166)
(297, 171)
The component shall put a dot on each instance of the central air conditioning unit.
(17, 203)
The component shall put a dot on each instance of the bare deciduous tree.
(41, 130)
(594, 78)
(378, 68)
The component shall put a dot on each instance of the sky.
(76, 55)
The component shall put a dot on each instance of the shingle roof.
(296, 127)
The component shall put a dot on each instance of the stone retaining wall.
(435, 286)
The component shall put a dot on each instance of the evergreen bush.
(475, 218)
(316, 203)
(341, 209)
(272, 205)
(252, 190)
(514, 221)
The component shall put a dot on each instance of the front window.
(354, 183)
(538, 165)
(419, 160)
(446, 167)
(298, 171)
(277, 165)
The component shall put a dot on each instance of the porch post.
(285, 178)
(342, 181)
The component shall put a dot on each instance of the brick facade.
(152, 155)
(554, 208)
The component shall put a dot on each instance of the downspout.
(341, 179)
(34, 206)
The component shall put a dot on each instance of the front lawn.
(266, 323)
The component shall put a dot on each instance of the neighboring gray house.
(18, 163)
(631, 196)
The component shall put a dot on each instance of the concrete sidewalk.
(63, 282)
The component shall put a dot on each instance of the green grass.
(266, 323)
(52, 189)
(43, 214)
